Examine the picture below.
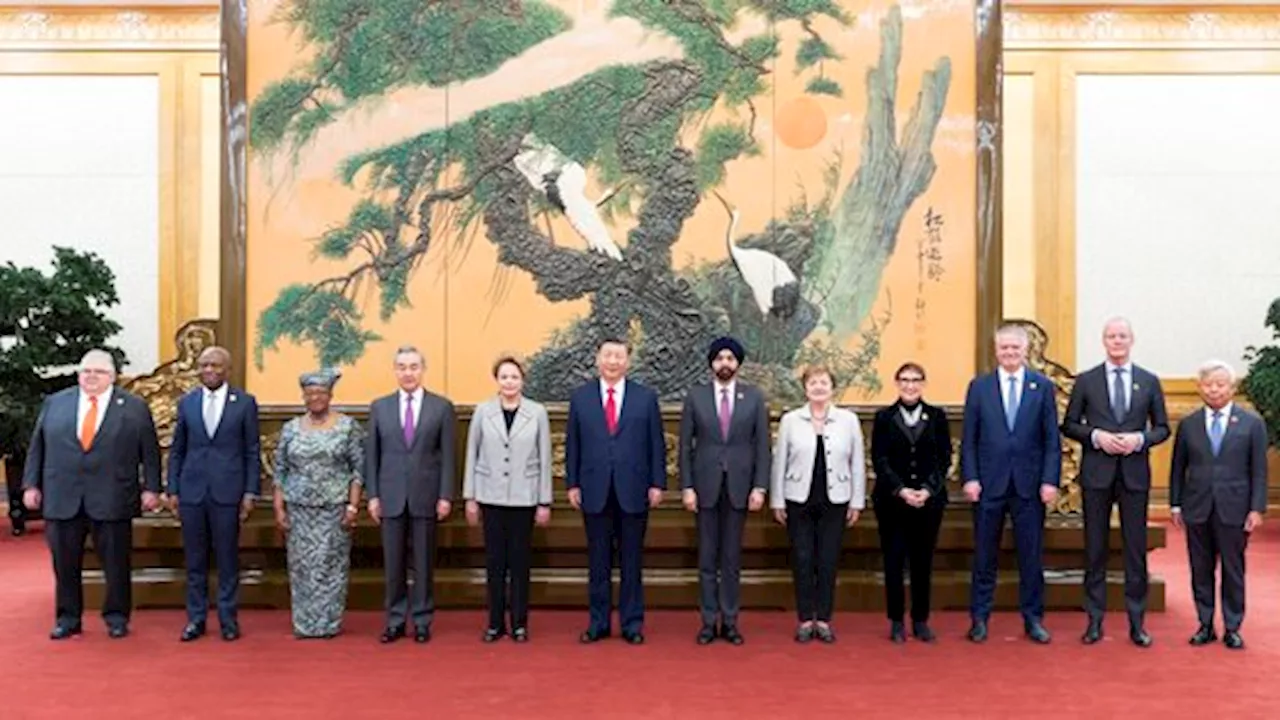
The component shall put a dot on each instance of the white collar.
(1019, 374)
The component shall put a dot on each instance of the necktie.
(725, 413)
(210, 414)
(408, 420)
(1215, 432)
(1011, 403)
(610, 413)
(89, 427)
(1119, 408)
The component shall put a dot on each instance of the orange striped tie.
(89, 427)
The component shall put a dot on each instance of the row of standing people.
(814, 481)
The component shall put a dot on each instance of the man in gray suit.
(1117, 414)
(409, 478)
(724, 470)
(1218, 493)
(83, 467)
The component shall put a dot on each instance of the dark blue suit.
(1011, 465)
(614, 473)
(210, 477)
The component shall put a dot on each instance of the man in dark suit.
(409, 478)
(83, 468)
(214, 476)
(1011, 462)
(724, 470)
(615, 471)
(1218, 493)
(1117, 414)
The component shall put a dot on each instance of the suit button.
(914, 476)
(913, 463)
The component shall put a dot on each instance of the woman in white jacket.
(819, 489)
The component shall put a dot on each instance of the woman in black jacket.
(911, 454)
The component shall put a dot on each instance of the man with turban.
(724, 470)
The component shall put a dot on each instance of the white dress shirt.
(218, 399)
(619, 389)
(1021, 375)
(720, 389)
(417, 407)
(1208, 418)
(82, 409)
(1127, 376)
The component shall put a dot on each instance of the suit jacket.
(223, 468)
(415, 477)
(104, 479)
(904, 460)
(796, 449)
(708, 460)
(1025, 458)
(1229, 485)
(1089, 409)
(630, 461)
(510, 468)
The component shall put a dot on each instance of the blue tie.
(1215, 432)
(1119, 408)
(1011, 403)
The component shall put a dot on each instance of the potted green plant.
(47, 323)
(1262, 384)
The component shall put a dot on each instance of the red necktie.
(610, 413)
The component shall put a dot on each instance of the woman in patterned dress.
(317, 493)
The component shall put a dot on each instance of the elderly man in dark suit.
(409, 479)
(1011, 462)
(1117, 414)
(86, 450)
(214, 476)
(1218, 493)
(724, 472)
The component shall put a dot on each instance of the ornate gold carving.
(112, 29)
(1070, 501)
(165, 386)
(1135, 28)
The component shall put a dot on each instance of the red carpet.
(269, 674)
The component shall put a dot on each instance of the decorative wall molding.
(195, 28)
(1244, 28)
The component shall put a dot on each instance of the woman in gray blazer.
(507, 482)
(819, 489)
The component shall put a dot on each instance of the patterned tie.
(408, 420)
(1011, 403)
(89, 427)
(1118, 406)
(725, 413)
(210, 414)
(610, 413)
(1215, 432)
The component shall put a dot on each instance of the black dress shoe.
(1093, 633)
(804, 633)
(520, 635)
(1232, 640)
(391, 634)
(633, 638)
(62, 632)
(730, 633)
(824, 633)
(115, 632)
(1140, 637)
(193, 631)
(978, 631)
(493, 634)
(422, 634)
(706, 635)
(1203, 636)
(231, 632)
(1037, 634)
(897, 632)
(922, 632)
(592, 636)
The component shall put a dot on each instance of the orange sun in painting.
(801, 123)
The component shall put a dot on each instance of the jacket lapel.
(629, 387)
(111, 418)
(901, 423)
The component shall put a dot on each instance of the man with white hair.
(1218, 493)
(83, 468)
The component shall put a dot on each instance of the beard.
(725, 374)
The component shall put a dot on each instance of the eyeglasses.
(910, 380)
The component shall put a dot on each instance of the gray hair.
(1118, 320)
(411, 350)
(1209, 367)
(98, 359)
(1014, 330)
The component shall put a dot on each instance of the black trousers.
(211, 529)
(1207, 544)
(508, 541)
(720, 560)
(1097, 544)
(816, 529)
(908, 536)
(417, 536)
(112, 541)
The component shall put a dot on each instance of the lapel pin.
(119, 401)
(1135, 386)
(1032, 385)
(1235, 418)
(231, 398)
(924, 416)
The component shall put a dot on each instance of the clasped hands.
(914, 498)
(1117, 443)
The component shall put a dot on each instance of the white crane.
(773, 284)
(564, 182)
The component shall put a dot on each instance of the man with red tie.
(615, 471)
